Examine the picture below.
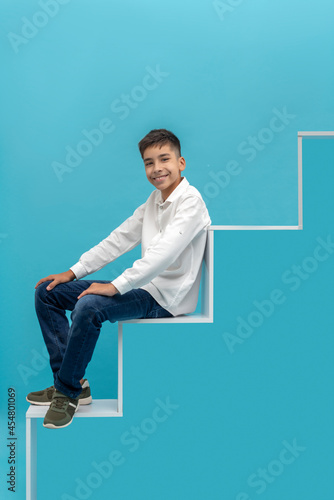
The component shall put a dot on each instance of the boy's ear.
(182, 163)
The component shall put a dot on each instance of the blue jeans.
(71, 347)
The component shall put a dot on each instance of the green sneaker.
(43, 398)
(61, 411)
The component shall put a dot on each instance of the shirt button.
(161, 206)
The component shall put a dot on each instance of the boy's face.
(163, 168)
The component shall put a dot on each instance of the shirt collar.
(180, 188)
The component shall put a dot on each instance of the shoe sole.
(83, 401)
(51, 426)
(37, 403)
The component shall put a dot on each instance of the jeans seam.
(84, 336)
(53, 331)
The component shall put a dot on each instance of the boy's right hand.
(57, 278)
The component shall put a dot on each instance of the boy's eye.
(150, 163)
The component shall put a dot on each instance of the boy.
(171, 226)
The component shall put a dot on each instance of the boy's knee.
(41, 290)
(84, 305)
(86, 308)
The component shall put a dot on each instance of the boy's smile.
(163, 168)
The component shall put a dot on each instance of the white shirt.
(172, 234)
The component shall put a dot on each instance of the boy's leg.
(87, 317)
(50, 309)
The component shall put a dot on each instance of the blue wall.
(235, 81)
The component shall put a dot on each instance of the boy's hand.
(100, 289)
(57, 278)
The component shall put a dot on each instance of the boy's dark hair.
(160, 136)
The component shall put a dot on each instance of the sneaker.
(43, 398)
(61, 411)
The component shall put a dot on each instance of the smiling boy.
(172, 229)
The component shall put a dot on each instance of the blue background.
(226, 75)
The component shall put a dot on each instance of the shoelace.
(49, 391)
(59, 403)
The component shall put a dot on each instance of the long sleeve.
(123, 239)
(165, 247)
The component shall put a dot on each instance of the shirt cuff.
(121, 284)
(79, 270)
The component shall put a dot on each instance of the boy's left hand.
(100, 289)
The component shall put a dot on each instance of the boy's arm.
(123, 239)
(164, 249)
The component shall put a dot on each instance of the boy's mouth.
(160, 178)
